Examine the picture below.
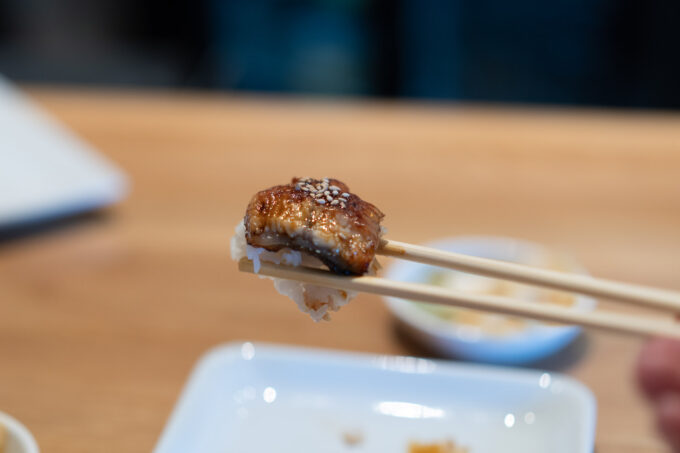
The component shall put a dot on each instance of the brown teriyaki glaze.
(320, 217)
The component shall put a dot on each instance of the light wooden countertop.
(102, 320)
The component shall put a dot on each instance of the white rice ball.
(317, 301)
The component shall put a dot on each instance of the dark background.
(595, 52)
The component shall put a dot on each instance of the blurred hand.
(658, 374)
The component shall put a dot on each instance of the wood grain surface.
(102, 319)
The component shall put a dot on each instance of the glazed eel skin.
(320, 217)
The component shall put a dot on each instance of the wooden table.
(102, 320)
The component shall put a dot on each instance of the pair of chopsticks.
(622, 292)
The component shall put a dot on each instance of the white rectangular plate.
(263, 398)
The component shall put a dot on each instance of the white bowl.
(19, 439)
(454, 340)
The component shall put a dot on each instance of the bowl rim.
(20, 433)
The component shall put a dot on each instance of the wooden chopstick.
(623, 292)
(602, 320)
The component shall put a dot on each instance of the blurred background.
(620, 53)
(177, 112)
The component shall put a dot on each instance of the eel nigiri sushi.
(315, 223)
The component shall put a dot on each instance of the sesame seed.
(334, 188)
(345, 194)
(329, 198)
(334, 202)
(321, 201)
(326, 192)
(335, 192)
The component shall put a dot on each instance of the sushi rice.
(317, 301)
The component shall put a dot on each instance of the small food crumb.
(444, 447)
(352, 438)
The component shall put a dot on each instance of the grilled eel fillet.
(319, 217)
